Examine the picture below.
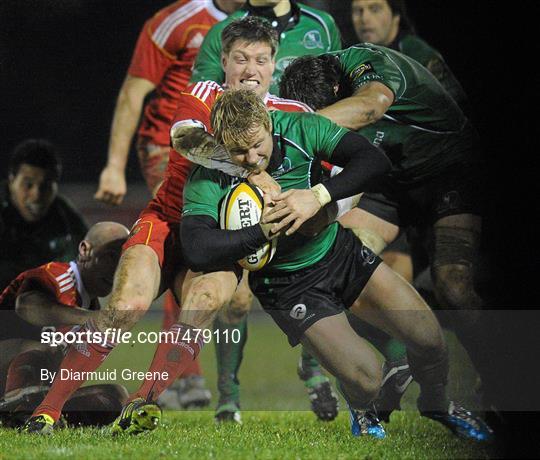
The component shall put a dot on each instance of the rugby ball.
(242, 207)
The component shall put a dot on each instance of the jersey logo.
(313, 40)
(362, 69)
(196, 41)
(298, 311)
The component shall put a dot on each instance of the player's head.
(99, 253)
(314, 80)
(34, 169)
(241, 124)
(379, 21)
(249, 48)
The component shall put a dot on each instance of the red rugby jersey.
(61, 279)
(194, 106)
(164, 54)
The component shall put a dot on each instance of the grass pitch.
(277, 421)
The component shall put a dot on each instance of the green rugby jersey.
(300, 139)
(413, 46)
(424, 131)
(311, 32)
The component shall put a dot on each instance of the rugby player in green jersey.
(312, 280)
(302, 30)
(435, 182)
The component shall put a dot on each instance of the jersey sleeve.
(208, 62)
(323, 135)
(203, 193)
(193, 107)
(363, 66)
(149, 61)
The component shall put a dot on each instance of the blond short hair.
(236, 116)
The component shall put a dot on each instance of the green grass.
(277, 421)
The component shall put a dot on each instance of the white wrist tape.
(322, 195)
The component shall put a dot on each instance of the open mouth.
(250, 83)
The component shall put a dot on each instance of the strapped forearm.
(208, 248)
(191, 140)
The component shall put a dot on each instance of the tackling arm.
(40, 309)
(367, 105)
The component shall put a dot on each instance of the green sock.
(229, 357)
(311, 373)
(392, 349)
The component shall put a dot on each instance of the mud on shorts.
(163, 236)
(297, 300)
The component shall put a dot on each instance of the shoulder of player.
(58, 275)
(418, 49)
(286, 105)
(178, 19)
(203, 90)
(323, 18)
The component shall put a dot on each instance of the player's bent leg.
(353, 362)
(232, 319)
(394, 306)
(456, 241)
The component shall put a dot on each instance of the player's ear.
(223, 61)
(85, 251)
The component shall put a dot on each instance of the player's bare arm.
(41, 309)
(112, 182)
(367, 105)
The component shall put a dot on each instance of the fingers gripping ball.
(242, 207)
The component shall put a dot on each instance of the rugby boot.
(137, 416)
(323, 400)
(366, 423)
(396, 379)
(462, 423)
(228, 412)
(192, 392)
(39, 424)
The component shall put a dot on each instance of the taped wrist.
(321, 194)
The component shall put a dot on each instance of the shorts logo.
(368, 255)
(313, 40)
(362, 69)
(450, 200)
(298, 311)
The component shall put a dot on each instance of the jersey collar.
(281, 24)
(85, 297)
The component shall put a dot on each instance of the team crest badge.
(298, 311)
(313, 40)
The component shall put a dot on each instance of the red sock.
(193, 368)
(171, 310)
(25, 370)
(173, 358)
(82, 357)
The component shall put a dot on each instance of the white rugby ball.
(242, 207)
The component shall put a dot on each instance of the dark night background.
(62, 63)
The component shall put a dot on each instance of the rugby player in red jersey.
(59, 296)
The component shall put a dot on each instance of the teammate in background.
(312, 280)
(161, 65)
(59, 296)
(386, 23)
(36, 224)
(151, 260)
(436, 181)
(302, 30)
